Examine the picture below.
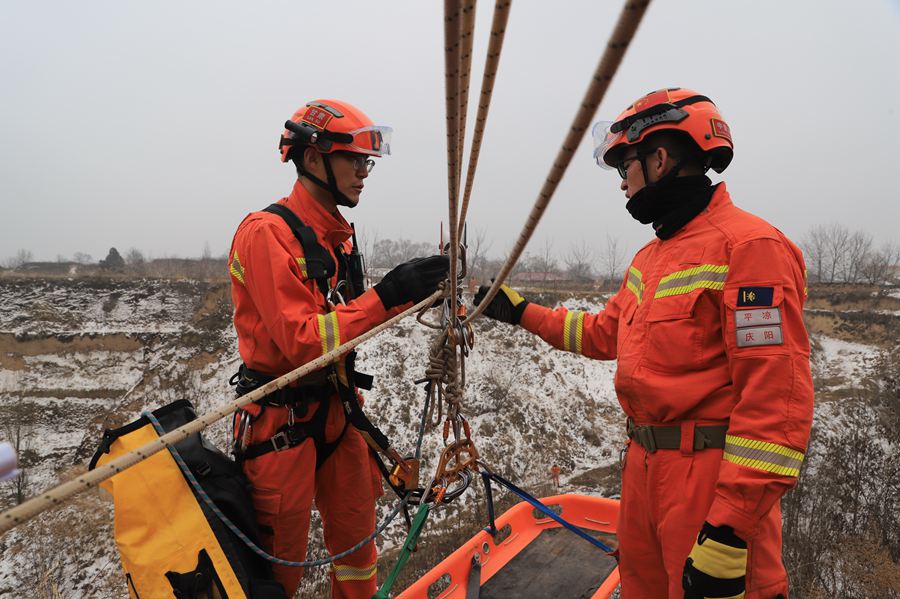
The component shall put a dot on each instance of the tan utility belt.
(652, 437)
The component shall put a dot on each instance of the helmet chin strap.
(331, 185)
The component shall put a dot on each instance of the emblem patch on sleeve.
(755, 296)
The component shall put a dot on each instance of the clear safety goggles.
(374, 140)
(604, 139)
(606, 134)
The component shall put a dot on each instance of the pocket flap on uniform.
(267, 502)
(763, 295)
(673, 307)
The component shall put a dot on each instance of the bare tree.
(859, 245)
(544, 261)
(837, 241)
(877, 265)
(83, 258)
(613, 261)
(19, 431)
(580, 261)
(388, 253)
(814, 247)
(134, 257)
(21, 257)
(479, 245)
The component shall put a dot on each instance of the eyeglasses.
(623, 165)
(359, 161)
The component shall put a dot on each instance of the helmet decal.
(317, 117)
(720, 129)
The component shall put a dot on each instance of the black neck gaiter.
(671, 203)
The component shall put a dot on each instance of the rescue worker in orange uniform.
(713, 361)
(295, 298)
(554, 475)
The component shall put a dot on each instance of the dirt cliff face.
(82, 355)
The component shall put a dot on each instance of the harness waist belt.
(652, 437)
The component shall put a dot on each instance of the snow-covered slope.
(79, 356)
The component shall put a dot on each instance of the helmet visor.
(604, 139)
(374, 140)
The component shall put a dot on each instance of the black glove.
(412, 281)
(717, 566)
(507, 305)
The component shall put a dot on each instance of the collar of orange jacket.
(720, 199)
(331, 228)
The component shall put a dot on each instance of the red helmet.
(673, 109)
(334, 126)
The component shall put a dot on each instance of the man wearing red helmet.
(298, 293)
(713, 361)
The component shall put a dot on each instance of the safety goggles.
(374, 140)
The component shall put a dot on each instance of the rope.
(491, 63)
(452, 42)
(538, 504)
(467, 39)
(627, 25)
(55, 496)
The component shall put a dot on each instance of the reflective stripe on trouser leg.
(345, 495)
(344, 573)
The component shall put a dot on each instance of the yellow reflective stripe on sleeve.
(329, 332)
(760, 455)
(342, 572)
(235, 268)
(572, 331)
(705, 276)
(635, 283)
(301, 261)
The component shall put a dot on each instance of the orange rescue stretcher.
(532, 556)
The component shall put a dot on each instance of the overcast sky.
(154, 125)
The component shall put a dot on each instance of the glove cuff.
(388, 294)
(518, 310)
(720, 554)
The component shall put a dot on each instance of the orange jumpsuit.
(282, 322)
(707, 329)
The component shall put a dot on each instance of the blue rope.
(198, 488)
(540, 506)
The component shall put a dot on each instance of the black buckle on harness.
(643, 434)
(645, 437)
(280, 441)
